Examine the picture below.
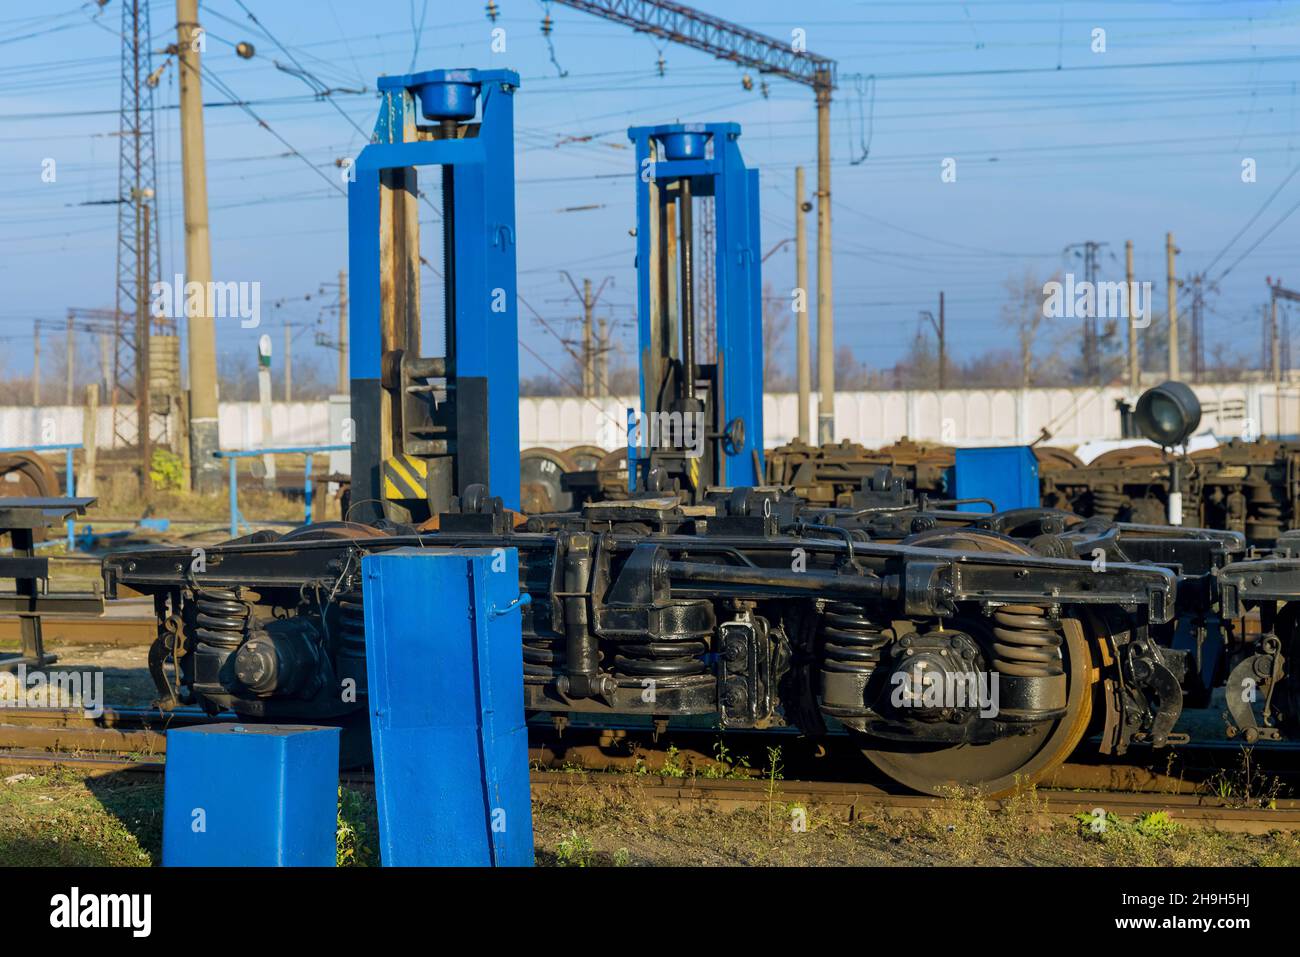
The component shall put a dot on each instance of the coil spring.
(221, 618)
(1106, 502)
(1264, 513)
(352, 623)
(543, 646)
(850, 640)
(543, 655)
(677, 657)
(1027, 644)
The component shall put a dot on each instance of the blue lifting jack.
(428, 431)
(700, 425)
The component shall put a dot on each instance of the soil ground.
(56, 818)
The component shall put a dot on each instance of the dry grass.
(57, 818)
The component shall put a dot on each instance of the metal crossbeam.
(720, 38)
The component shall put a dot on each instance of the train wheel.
(585, 458)
(1008, 764)
(1011, 763)
(1054, 459)
(540, 474)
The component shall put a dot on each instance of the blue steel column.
(487, 325)
(740, 306)
(364, 318)
(486, 335)
(738, 272)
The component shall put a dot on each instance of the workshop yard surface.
(59, 818)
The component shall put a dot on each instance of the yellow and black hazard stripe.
(693, 470)
(404, 477)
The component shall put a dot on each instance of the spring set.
(221, 618)
(1264, 514)
(851, 642)
(674, 658)
(1027, 644)
(352, 623)
(543, 655)
(1106, 502)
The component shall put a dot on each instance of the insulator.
(851, 641)
(221, 618)
(1026, 643)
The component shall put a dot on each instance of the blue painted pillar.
(251, 795)
(444, 658)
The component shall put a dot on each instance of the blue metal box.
(444, 658)
(251, 795)
(1007, 475)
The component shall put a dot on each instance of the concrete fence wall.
(970, 417)
(293, 423)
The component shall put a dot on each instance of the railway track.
(678, 770)
(841, 800)
(142, 732)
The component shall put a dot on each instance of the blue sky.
(1055, 144)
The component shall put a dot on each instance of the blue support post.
(708, 156)
(444, 666)
(234, 499)
(256, 795)
(482, 361)
(306, 488)
(232, 456)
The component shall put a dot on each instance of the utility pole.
(1197, 349)
(204, 433)
(1276, 292)
(264, 400)
(72, 362)
(943, 345)
(36, 365)
(344, 377)
(1134, 371)
(940, 329)
(602, 358)
(588, 357)
(1170, 252)
(825, 314)
(803, 344)
(288, 362)
(1092, 367)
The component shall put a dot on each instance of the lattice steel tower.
(138, 256)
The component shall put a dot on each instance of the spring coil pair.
(1106, 502)
(661, 659)
(1026, 642)
(221, 618)
(543, 655)
(352, 622)
(851, 642)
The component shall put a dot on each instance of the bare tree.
(776, 324)
(1023, 311)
